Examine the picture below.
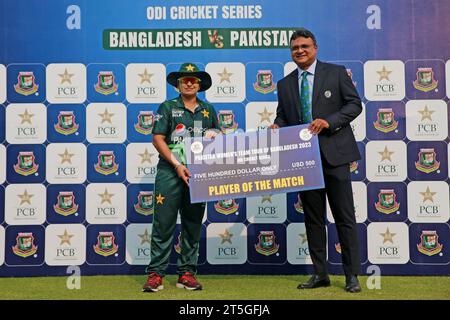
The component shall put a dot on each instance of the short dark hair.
(304, 33)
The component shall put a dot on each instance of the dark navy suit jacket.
(335, 100)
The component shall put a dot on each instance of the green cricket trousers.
(172, 194)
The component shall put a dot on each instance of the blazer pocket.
(344, 140)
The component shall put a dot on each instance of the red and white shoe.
(153, 283)
(189, 282)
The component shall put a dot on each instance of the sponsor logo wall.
(77, 166)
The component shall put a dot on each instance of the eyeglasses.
(186, 80)
(302, 47)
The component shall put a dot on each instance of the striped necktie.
(305, 99)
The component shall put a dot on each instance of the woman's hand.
(183, 173)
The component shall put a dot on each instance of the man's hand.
(183, 173)
(274, 126)
(211, 134)
(318, 125)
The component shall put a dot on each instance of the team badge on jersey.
(106, 244)
(425, 80)
(66, 123)
(106, 164)
(26, 83)
(266, 243)
(264, 82)
(25, 246)
(106, 84)
(387, 203)
(427, 161)
(25, 163)
(227, 121)
(144, 205)
(298, 205)
(146, 120)
(429, 243)
(66, 203)
(228, 206)
(385, 120)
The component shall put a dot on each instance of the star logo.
(265, 115)
(267, 198)
(146, 156)
(428, 195)
(160, 199)
(225, 76)
(145, 77)
(145, 237)
(106, 197)
(384, 74)
(65, 238)
(190, 68)
(25, 197)
(66, 157)
(303, 238)
(388, 236)
(386, 154)
(226, 237)
(26, 117)
(426, 113)
(106, 116)
(205, 113)
(66, 77)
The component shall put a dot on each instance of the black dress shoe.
(352, 284)
(315, 282)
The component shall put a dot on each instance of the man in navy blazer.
(323, 95)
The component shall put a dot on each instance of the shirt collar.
(311, 69)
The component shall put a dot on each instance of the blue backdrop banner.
(80, 83)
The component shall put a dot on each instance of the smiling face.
(303, 52)
(188, 86)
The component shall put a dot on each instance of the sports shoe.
(189, 282)
(154, 283)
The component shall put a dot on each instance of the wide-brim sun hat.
(190, 70)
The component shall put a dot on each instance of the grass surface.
(222, 288)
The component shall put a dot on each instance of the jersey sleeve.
(162, 120)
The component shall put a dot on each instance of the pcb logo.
(385, 120)
(266, 243)
(66, 123)
(24, 245)
(106, 164)
(105, 84)
(227, 121)
(337, 247)
(264, 82)
(26, 83)
(144, 205)
(429, 243)
(25, 163)
(298, 205)
(427, 161)
(66, 204)
(146, 120)
(387, 203)
(106, 244)
(425, 80)
(226, 207)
